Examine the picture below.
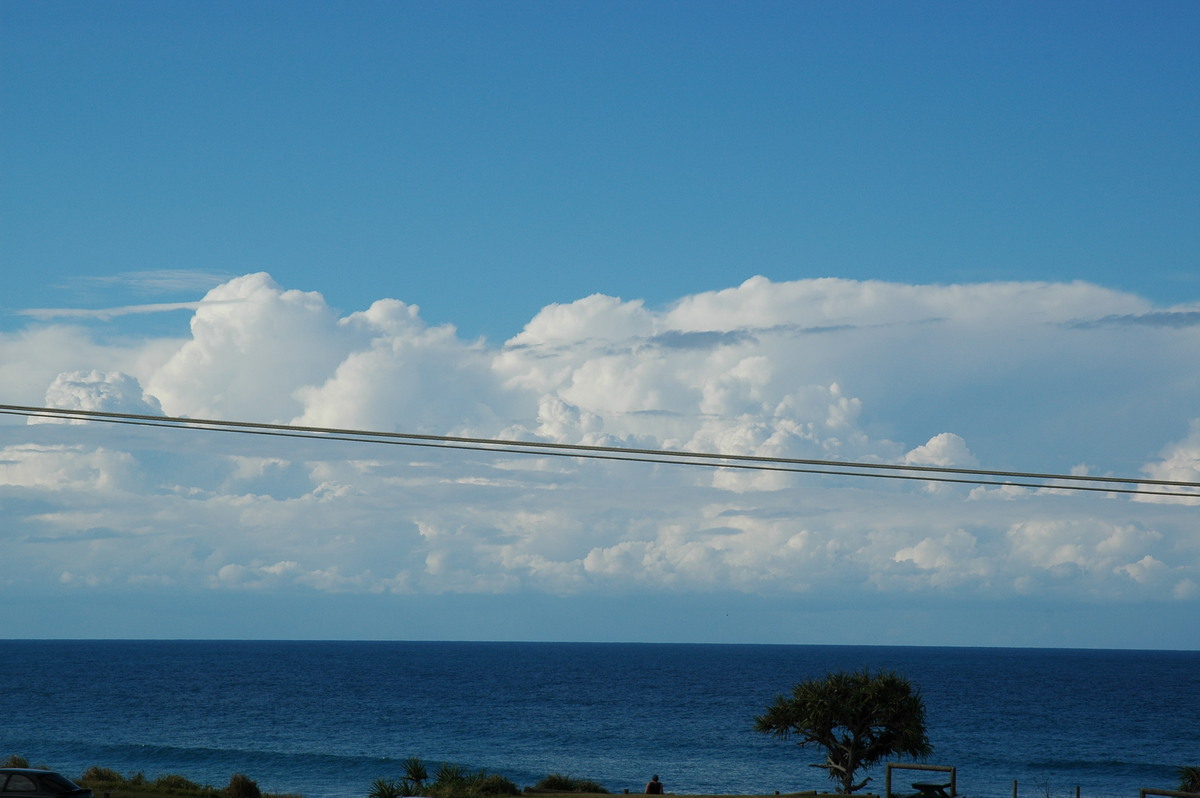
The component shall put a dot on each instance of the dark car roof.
(36, 772)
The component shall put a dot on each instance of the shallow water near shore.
(325, 719)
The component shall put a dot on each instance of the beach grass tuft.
(557, 782)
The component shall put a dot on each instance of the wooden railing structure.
(1142, 793)
(887, 793)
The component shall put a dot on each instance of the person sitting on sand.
(654, 786)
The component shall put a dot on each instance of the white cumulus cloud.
(106, 391)
(811, 370)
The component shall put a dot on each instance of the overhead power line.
(940, 474)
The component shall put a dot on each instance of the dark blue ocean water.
(328, 718)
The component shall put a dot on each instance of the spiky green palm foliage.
(858, 719)
(1189, 778)
(415, 772)
(450, 773)
(385, 788)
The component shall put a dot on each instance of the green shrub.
(95, 776)
(455, 781)
(557, 782)
(1189, 778)
(16, 761)
(449, 781)
(138, 779)
(242, 786)
(494, 785)
(175, 782)
(448, 789)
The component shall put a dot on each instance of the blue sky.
(947, 233)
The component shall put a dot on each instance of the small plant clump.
(242, 786)
(173, 781)
(450, 780)
(109, 780)
(97, 776)
(454, 781)
(494, 784)
(557, 782)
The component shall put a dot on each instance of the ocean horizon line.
(663, 643)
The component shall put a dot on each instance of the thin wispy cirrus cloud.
(147, 283)
(105, 314)
(1017, 375)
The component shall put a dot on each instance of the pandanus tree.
(859, 719)
(415, 774)
(1189, 778)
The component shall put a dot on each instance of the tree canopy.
(858, 718)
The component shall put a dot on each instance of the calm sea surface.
(328, 718)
